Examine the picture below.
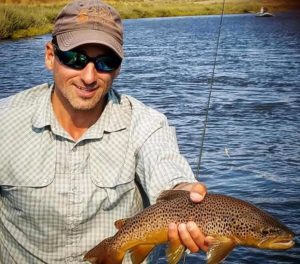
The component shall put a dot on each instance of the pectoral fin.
(174, 252)
(219, 250)
(140, 252)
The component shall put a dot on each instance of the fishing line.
(210, 92)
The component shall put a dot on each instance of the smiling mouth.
(86, 88)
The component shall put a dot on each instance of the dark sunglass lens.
(81, 60)
(72, 59)
(77, 60)
(107, 63)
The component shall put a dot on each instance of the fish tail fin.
(99, 254)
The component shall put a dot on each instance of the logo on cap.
(93, 14)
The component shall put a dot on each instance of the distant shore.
(27, 18)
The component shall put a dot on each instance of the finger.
(197, 192)
(186, 238)
(173, 232)
(197, 236)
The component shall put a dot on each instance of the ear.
(49, 56)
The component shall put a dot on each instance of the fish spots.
(217, 215)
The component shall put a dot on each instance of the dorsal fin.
(120, 223)
(170, 195)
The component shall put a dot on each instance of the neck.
(74, 121)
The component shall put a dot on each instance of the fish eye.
(268, 231)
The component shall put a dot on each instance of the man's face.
(83, 89)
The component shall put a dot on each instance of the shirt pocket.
(29, 162)
(23, 178)
(113, 170)
(24, 194)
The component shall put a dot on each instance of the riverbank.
(26, 18)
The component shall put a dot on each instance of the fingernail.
(196, 197)
(191, 226)
(181, 227)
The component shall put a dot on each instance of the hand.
(197, 190)
(188, 233)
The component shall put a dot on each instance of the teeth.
(86, 89)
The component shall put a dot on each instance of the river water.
(252, 145)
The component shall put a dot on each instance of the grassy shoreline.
(26, 18)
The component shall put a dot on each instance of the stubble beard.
(82, 104)
(86, 104)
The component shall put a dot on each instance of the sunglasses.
(77, 60)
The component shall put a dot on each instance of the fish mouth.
(278, 243)
(284, 243)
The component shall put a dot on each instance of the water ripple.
(252, 145)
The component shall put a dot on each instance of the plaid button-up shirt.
(60, 197)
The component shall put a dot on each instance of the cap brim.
(70, 40)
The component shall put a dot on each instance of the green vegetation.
(22, 21)
(23, 18)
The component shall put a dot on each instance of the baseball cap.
(89, 21)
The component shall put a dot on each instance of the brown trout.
(230, 221)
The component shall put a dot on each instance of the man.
(76, 155)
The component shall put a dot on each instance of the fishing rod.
(209, 99)
(210, 92)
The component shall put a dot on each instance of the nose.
(89, 74)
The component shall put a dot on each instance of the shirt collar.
(42, 116)
(115, 116)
